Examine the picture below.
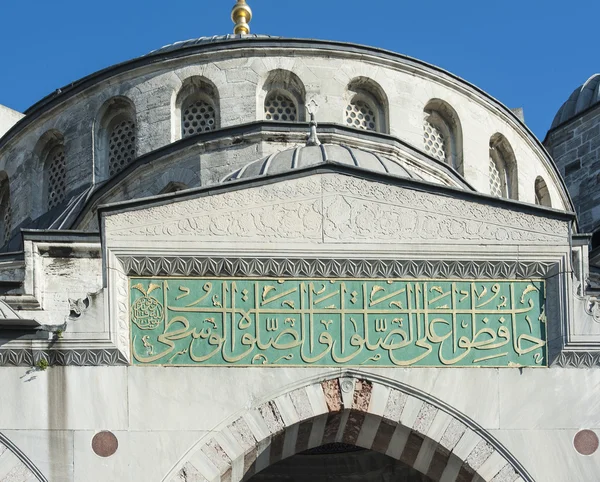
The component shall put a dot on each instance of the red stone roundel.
(586, 442)
(105, 444)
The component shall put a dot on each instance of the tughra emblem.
(146, 312)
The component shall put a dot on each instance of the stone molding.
(359, 408)
(77, 357)
(359, 268)
(577, 359)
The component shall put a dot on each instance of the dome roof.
(305, 156)
(582, 98)
(206, 40)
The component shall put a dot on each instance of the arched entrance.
(339, 462)
(356, 409)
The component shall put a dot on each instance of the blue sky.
(526, 53)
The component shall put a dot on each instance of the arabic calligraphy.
(356, 322)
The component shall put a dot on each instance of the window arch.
(117, 136)
(55, 168)
(52, 165)
(197, 107)
(367, 107)
(542, 195)
(502, 168)
(5, 209)
(283, 97)
(442, 133)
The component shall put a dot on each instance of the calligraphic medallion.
(334, 322)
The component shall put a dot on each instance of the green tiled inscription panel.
(353, 322)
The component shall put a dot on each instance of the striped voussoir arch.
(357, 409)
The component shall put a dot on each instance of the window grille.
(7, 221)
(361, 115)
(497, 186)
(121, 146)
(57, 173)
(279, 107)
(198, 116)
(6, 207)
(435, 142)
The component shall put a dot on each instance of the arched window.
(121, 145)
(116, 137)
(362, 114)
(5, 209)
(502, 168)
(279, 106)
(283, 97)
(197, 105)
(442, 133)
(55, 168)
(197, 115)
(542, 196)
(367, 106)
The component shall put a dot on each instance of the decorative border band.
(577, 359)
(288, 267)
(29, 358)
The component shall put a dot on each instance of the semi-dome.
(304, 156)
(582, 98)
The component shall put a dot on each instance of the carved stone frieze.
(25, 357)
(198, 266)
(578, 359)
(336, 208)
(353, 208)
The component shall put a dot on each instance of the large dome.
(325, 153)
(582, 98)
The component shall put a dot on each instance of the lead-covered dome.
(207, 40)
(306, 156)
(582, 98)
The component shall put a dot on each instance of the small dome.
(207, 40)
(311, 155)
(584, 97)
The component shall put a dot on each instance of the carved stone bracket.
(592, 307)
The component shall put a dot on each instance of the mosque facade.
(256, 258)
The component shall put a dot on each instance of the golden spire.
(241, 14)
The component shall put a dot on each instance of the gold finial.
(241, 14)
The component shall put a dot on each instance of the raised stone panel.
(331, 209)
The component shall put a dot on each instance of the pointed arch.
(282, 97)
(197, 107)
(442, 133)
(367, 106)
(359, 409)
